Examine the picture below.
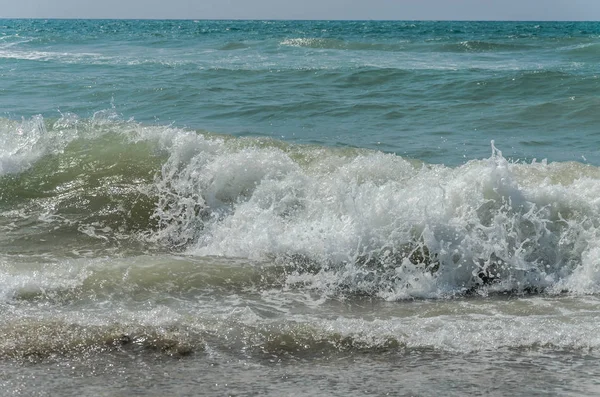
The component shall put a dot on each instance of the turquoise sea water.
(455, 85)
(299, 207)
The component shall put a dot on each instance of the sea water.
(299, 208)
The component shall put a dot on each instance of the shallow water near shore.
(461, 351)
(299, 208)
(414, 373)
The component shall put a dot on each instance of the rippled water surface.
(299, 208)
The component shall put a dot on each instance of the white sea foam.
(377, 223)
(22, 144)
(65, 57)
(27, 141)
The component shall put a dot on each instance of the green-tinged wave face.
(93, 188)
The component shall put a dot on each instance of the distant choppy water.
(299, 208)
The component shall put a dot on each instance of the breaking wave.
(336, 221)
